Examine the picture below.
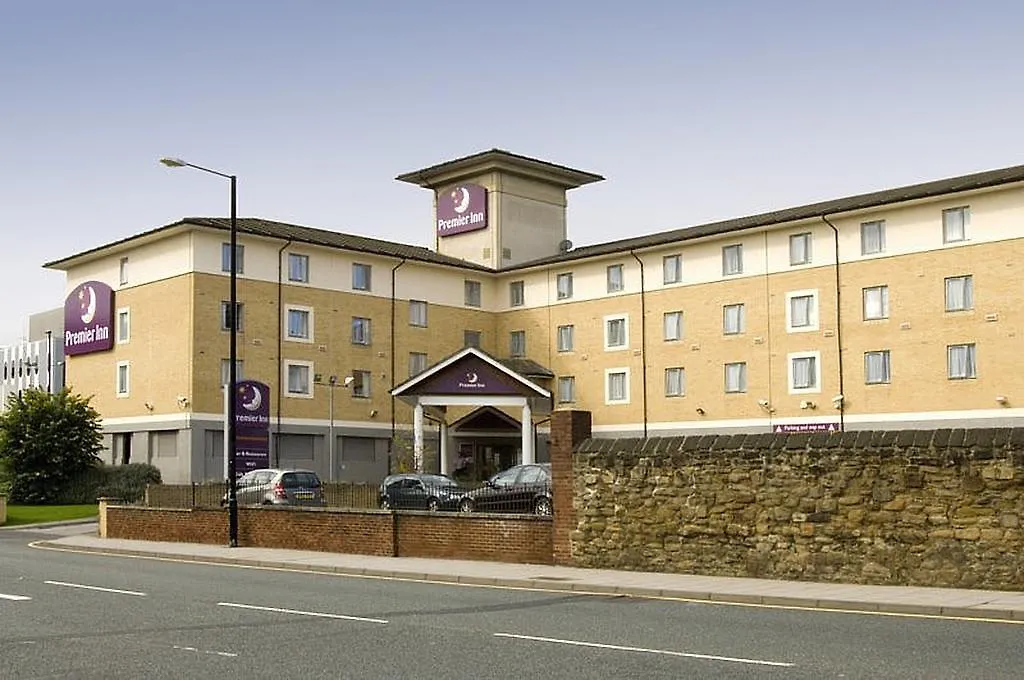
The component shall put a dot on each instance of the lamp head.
(173, 162)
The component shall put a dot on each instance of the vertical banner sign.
(252, 426)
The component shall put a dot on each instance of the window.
(417, 313)
(800, 249)
(675, 382)
(361, 380)
(803, 372)
(472, 290)
(564, 285)
(124, 325)
(361, 276)
(298, 378)
(517, 344)
(876, 303)
(961, 362)
(872, 237)
(417, 363)
(959, 293)
(616, 386)
(566, 338)
(225, 316)
(732, 259)
(123, 270)
(516, 294)
(877, 367)
(734, 319)
(225, 258)
(123, 378)
(298, 267)
(616, 332)
(672, 269)
(955, 222)
(225, 369)
(673, 326)
(802, 310)
(736, 377)
(614, 277)
(566, 389)
(299, 323)
(360, 330)
(471, 338)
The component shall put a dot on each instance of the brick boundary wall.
(569, 428)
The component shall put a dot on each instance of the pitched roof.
(569, 178)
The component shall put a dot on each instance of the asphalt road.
(72, 615)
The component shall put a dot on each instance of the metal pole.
(49, 361)
(330, 445)
(232, 371)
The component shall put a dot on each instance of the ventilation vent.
(829, 333)
(506, 253)
(487, 253)
(257, 342)
(759, 340)
(322, 348)
(992, 317)
(905, 326)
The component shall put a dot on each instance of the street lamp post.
(233, 345)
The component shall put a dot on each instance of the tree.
(47, 442)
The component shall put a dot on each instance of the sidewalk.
(947, 602)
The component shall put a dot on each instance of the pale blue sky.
(694, 111)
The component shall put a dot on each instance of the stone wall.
(930, 508)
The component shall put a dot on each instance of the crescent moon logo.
(88, 308)
(461, 199)
(472, 377)
(256, 401)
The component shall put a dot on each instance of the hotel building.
(889, 310)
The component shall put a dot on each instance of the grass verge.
(32, 514)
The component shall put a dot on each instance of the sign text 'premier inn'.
(89, 319)
(462, 208)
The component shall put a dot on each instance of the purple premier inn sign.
(470, 375)
(252, 426)
(89, 319)
(460, 209)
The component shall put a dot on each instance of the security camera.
(333, 380)
(763, 403)
(837, 401)
(808, 404)
(349, 380)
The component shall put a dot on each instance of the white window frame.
(302, 309)
(738, 249)
(225, 255)
(415, 358)
(363, 267)
(886, 356)
(473, 293)
(742, 388)
(127, 313)
(677, 266)
(677, 316)
(563, 293)
(414, 318)
(608, 373)
(972, 351)
(791, 360)
(681, 373)
(742, 318)
(517, 293)
(570, 334)
(807, 239)
(239, 322)
(883, 301)
(625, 332)
(304, 273)
(479, 338)
(362, 378)
(513, 339)
(967, 292)
(308, 365)
(612, 285)
(964, 222)
(127, 366)
(813, 315)
(569, 380)
(122, 271)
(879, 225)
(369, 331)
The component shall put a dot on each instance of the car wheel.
(433, 505)
(466, 505)
(542, 506)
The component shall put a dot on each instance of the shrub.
(124, 482)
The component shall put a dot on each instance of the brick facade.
(568, 430)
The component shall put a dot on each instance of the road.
(68, 615)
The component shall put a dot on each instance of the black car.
(523, 488)
(420, 492)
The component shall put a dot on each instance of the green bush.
(124, 482)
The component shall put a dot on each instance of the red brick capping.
(568, 430)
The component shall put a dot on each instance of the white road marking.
(15, 598)
(664, 652)
(301, 613)
(204, 651)
(102, 590)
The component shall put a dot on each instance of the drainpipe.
(394, 277)
(280, 334)
(839, 327)
(643, 336)
(768, 328)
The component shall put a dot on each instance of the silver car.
(274, 486)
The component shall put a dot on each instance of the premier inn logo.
(461, 209)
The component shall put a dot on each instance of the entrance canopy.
(472, 377)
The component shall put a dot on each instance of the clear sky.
(692, 110)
